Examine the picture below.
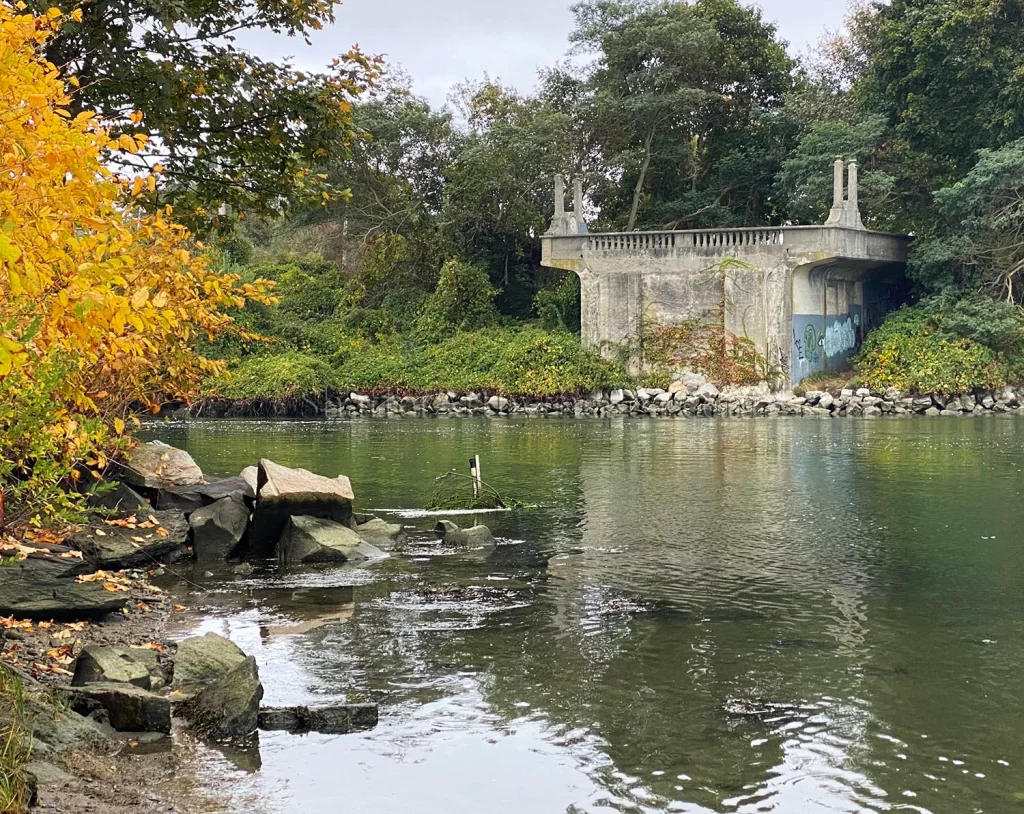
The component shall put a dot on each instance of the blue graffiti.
(840, 337)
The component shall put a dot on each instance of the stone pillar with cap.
(835, 215)
(852, 218)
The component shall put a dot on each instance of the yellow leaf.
(119, 426)
(127, 143)
(76, 15)
(140, 298)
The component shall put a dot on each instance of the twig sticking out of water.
(453, 490)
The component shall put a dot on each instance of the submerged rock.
(285, 493)
(447, 531)
(337, 719)
(218, 529)
(110, 665)
(113, 548)
(314, 540)
(380, 533)
(158, 466)
(45, 588)
(227, 708)
(129, 708)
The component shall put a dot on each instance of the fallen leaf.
(113, 586)
(159, 648)
(142, 606)
(100, 533)
(162, 532)
(153, 520)
(177, 607)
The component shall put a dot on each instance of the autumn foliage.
(99, 301)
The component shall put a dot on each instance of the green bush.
(287, 377)
(462, 301)
(513, 361)
(911, 353)
(558, 307)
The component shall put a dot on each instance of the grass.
(15, 746)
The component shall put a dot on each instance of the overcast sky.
(442, 42)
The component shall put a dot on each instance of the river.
(699, 616)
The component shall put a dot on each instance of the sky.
(444, 42)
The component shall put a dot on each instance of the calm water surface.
(702, 616)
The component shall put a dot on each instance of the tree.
(498, 188)
(228, 128)
(99, 301)
(679, 91)
(948, 75)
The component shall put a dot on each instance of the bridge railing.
(692, 239)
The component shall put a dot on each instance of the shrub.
(558, 307)
(288, 377)
(911, 353)
(462, 301)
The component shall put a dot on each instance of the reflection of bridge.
(805, 295)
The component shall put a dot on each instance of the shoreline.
(690, 400)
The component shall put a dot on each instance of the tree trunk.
(640, 180)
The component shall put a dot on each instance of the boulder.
(129, 708)
(202, 659)
(227, 708)
(189, 498)
(251, 476)
(708, 392)
(113, 548)
(450, 533)
(337, 719)
(284, 493)
(57, 729)
(45, 588)
(158, 466)
(117, 497)
(378, 533)
(110, 665)
(315, 540)
(693, 381)
(150, 659)
(218, 529)
(498, 404)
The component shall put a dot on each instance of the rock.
(922, 403)
(360, 400)
(617, 396)
(158, 466)
(227, 709)
(46, 774)
(846, 393)
(110, 665)
(892, 394)
(498, 404)
(45, 588)
(117, 497)
(189, 498)
(129, 709)
(337, 719)
(114, 548)
(871, 411)
(708, 392)
(244, 569)
(202, 659)
(862, 392)
(663, 398)
(218, 529)
(251, 476)
(378, 533)
(60, 729)
(285, 493)
(693, 381)
(475, 536)
(871, 401)
(933, 411)
(159, 674)
(988, 402)
(676, 386)
(314, 540)
(826, 400)
(967, 403)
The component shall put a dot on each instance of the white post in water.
(474, 471)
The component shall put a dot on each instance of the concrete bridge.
(804, 295)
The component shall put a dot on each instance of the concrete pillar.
(853, 185)
(837, 184)
(559, 196)
(577, 199)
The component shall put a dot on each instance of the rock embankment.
(689, 398)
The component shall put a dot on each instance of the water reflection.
(703, 616)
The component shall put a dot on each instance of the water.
(734, 616)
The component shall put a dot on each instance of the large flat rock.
(189, 498)
(227, 708)
(283, 493)
(202, 659)
(130, 709)
(218, 529)
(158, 466)
(45, 588)
(139, 544)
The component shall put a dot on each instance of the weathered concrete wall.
(798, 293)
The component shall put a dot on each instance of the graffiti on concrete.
(841, 336)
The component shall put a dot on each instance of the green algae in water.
(453, 490)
